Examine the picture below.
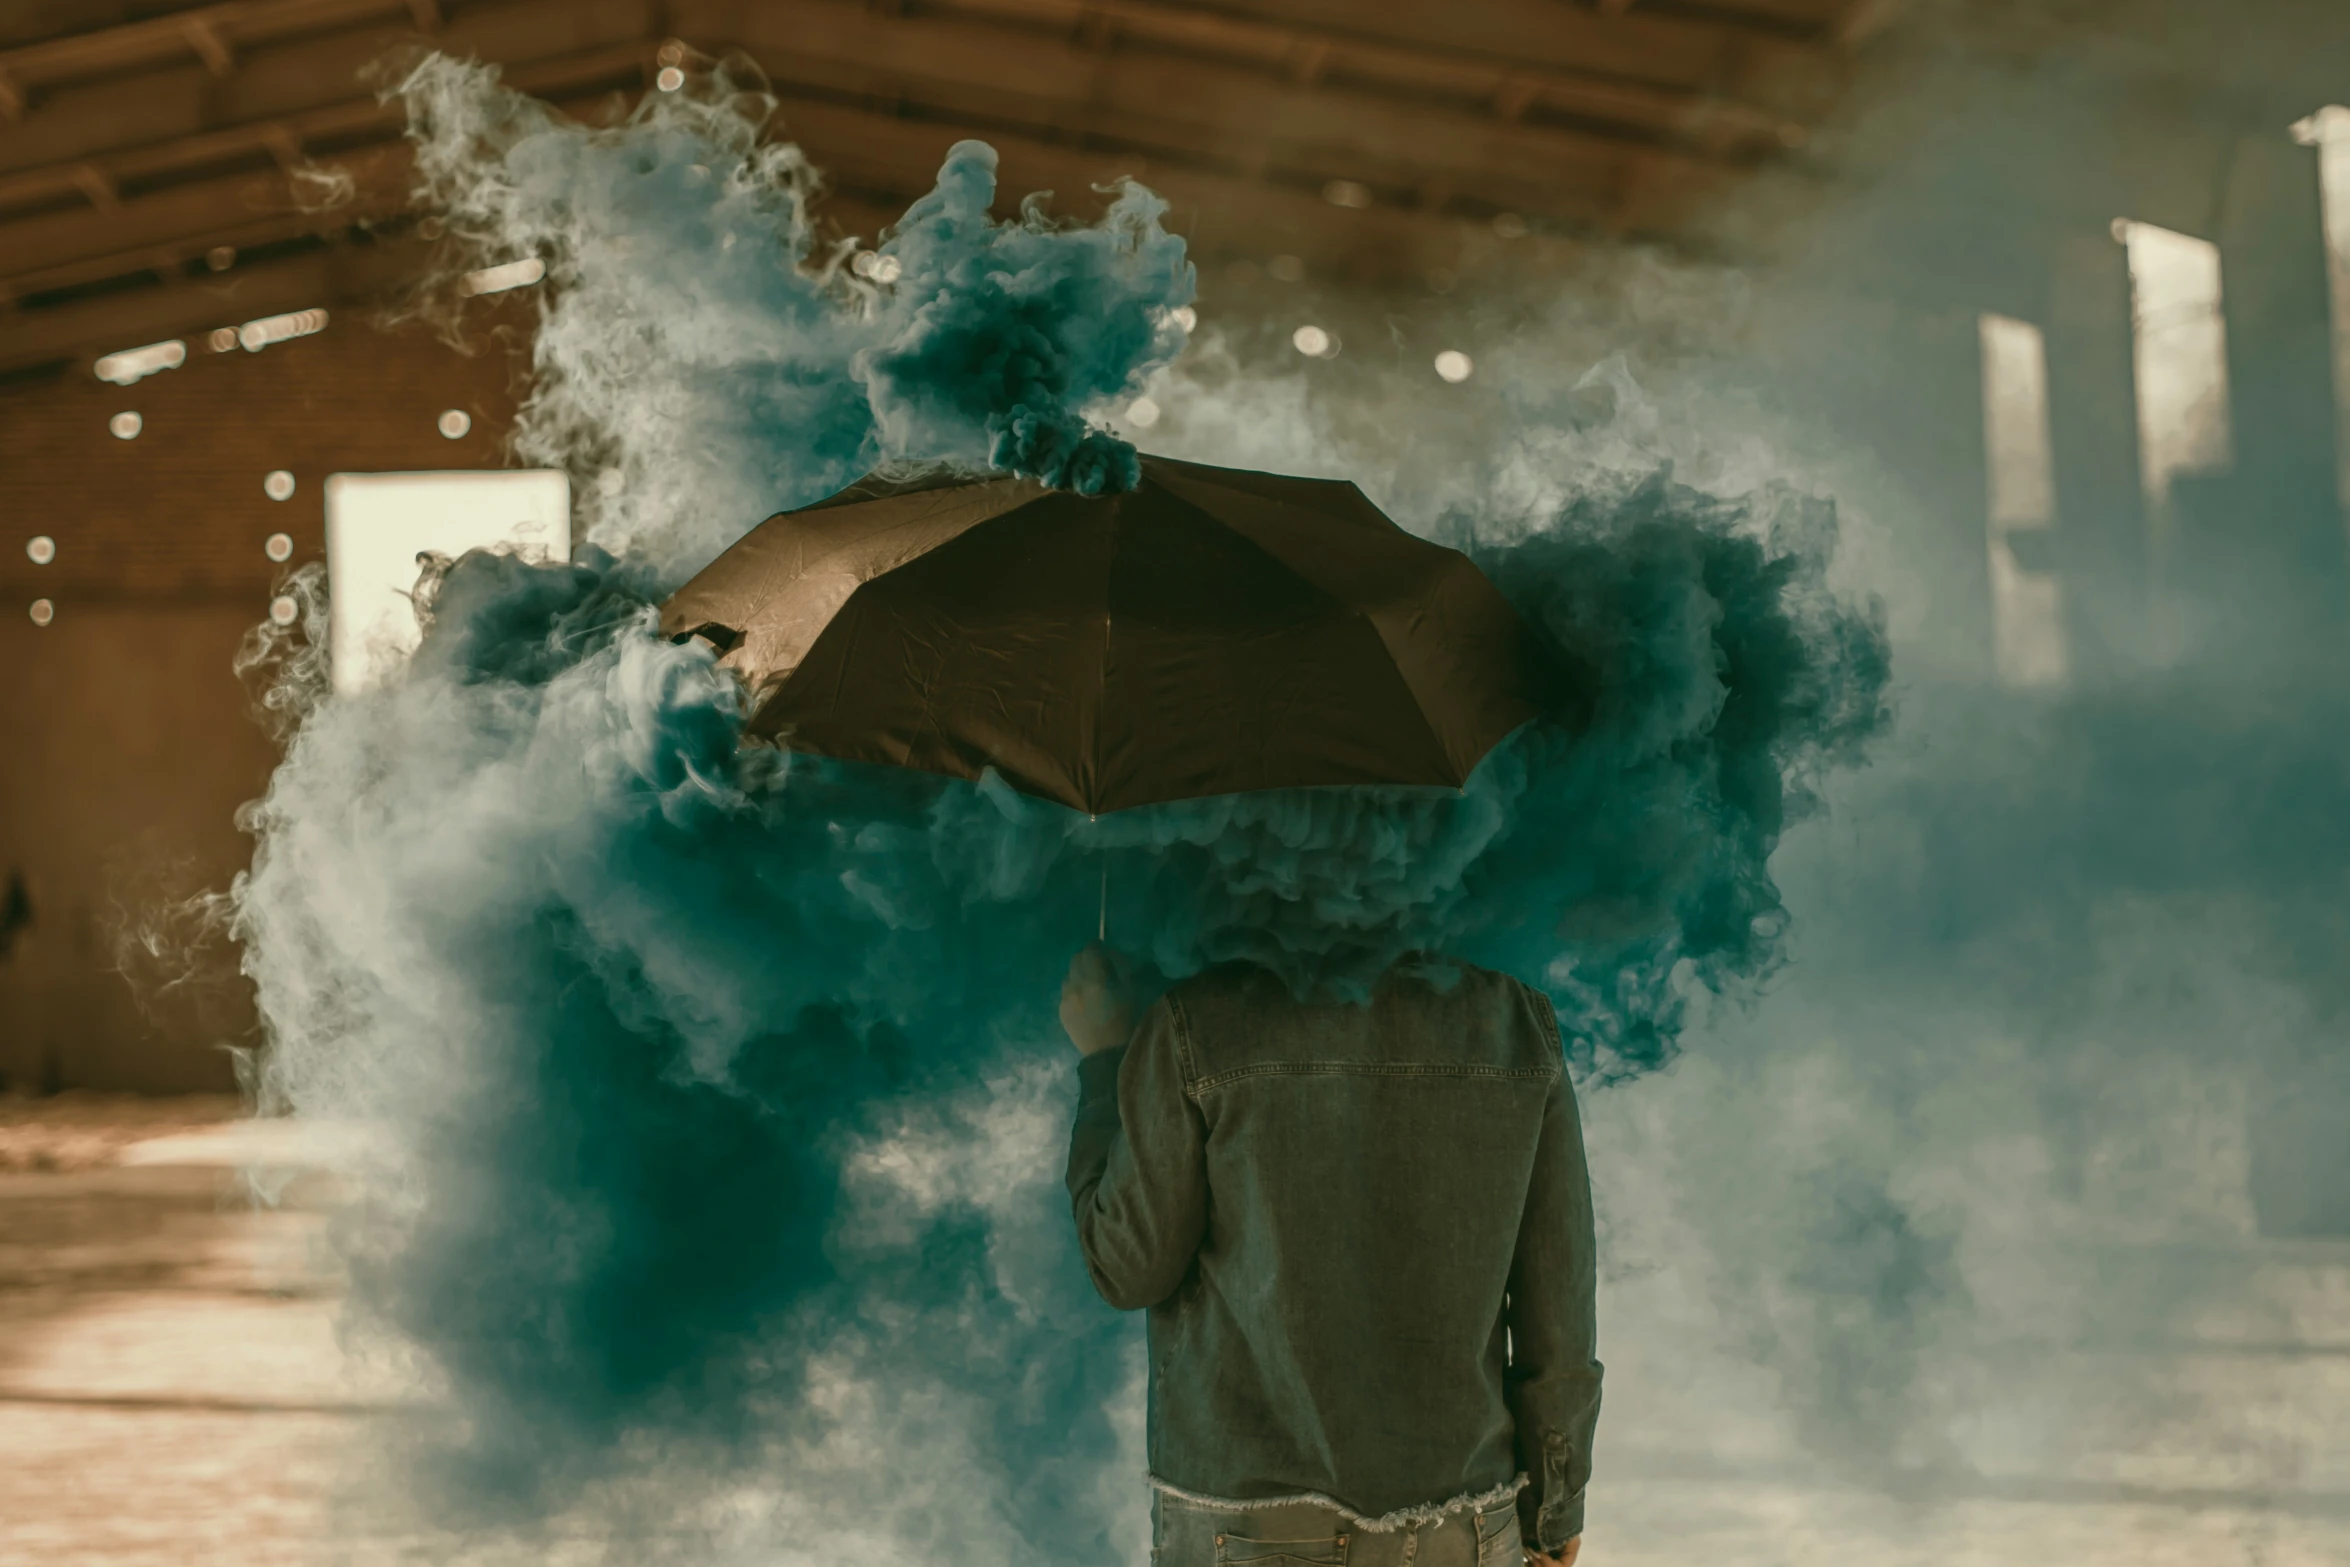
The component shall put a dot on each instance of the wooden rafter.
(135, 147)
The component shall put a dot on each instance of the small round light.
(670, 79)
(221, 339)
(221, 257)
(1454, 366)
(879, 268)
(42, 612)
(610, 481)
(279, 547)
(283, 610)
(454, 422)
(1142, 413)
(672, 53)
(40, 549)
(1185, 317)
(278, 485)
(1311, 341)
(1285, 269)
(126, 426)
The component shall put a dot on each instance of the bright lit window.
(2328, 131)
(496, 280)
(377, 524)
(2027, 608)
(132, 365)
(254, 336)
(2180, 354)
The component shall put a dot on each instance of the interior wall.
(130, 741)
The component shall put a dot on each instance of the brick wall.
(126, 742)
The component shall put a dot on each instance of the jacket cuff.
(1547, 1526)
(1566, 1522)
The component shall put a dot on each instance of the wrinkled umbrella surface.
(1211, 632)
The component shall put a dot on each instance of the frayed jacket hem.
(1385, 1523)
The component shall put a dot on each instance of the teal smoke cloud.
(703, 346)
(720, 1089)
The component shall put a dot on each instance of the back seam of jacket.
(1184, 1056)
(1546, 1018)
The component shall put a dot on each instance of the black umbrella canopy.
(1210, 632)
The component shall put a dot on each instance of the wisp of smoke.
(704, 348)
(719, 1088)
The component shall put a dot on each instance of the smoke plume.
(719, 1089)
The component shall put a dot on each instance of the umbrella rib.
(1102, 681)
(803, 565)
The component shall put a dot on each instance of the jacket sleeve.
(1137, 1166)
(1553, 1378)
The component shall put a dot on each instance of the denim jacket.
(1364, 1237)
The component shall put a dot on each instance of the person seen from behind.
(1363, 1234)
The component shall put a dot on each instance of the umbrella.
(1209, 632)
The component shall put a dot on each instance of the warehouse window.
(2180, 338)
(2027, 610)
(2328, 131)
(377, 524)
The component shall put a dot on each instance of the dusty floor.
(172, 1391)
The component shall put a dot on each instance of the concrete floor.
(172, 1392)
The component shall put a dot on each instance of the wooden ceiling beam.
(1667, 79)
(304, 76)
(34, 246)
(342, 123)
(341, 275)
(1693, 111)
(158, 162)
(338, 277)
(1218, 214)
(167, 258)
(1694, 54)
(211, 34)
(815, 47)
(1189, 110)
(1227, 133)
(209, 46)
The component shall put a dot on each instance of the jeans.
(1306, 1534)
